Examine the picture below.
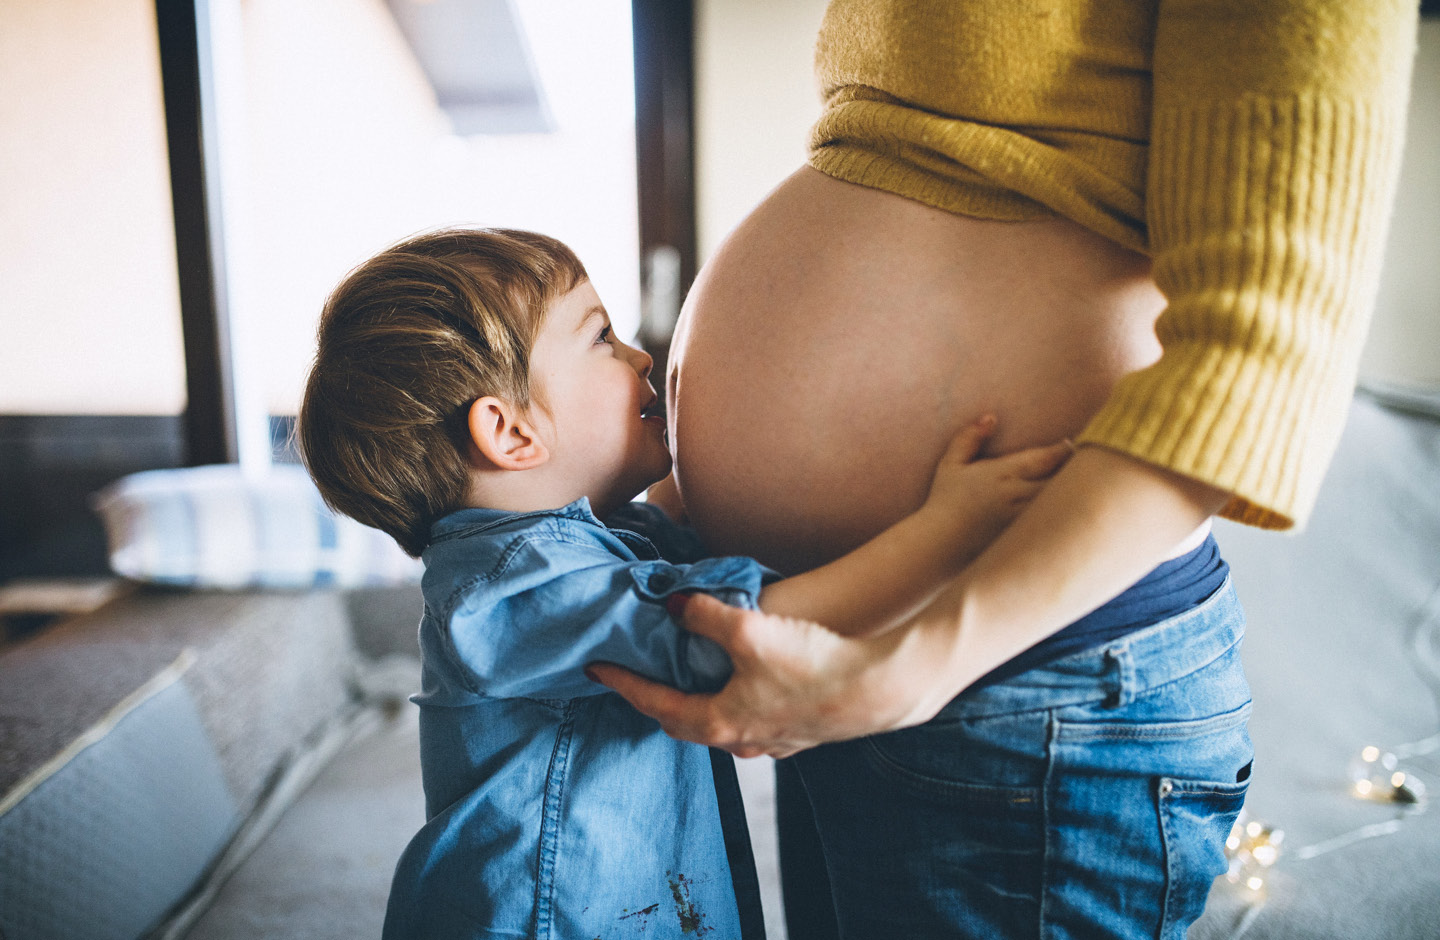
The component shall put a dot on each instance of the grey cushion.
(100, 848)
(121, 778)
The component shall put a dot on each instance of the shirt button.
(1166, 787)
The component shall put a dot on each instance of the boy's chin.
(659, 472)
(603, 506)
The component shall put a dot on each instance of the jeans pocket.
(1195, 819)
(998, 759)
(921, 845)
(933, 783)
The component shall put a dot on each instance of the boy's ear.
(505, 436)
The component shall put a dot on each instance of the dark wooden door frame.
(664, 143)
(187, 75)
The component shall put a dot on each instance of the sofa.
(148, 749)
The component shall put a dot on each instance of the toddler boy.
(470, 398)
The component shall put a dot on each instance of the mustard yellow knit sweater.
(1250, 147)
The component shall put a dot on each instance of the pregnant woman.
(1154, 228)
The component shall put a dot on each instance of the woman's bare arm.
(1103, 521)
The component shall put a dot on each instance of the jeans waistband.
(1117, 672)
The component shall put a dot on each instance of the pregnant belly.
(837, 339)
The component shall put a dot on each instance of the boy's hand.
(976, 498)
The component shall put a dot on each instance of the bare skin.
(834, 343)
(1099, 524)
(827, 352)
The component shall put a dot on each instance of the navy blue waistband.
(1172, 588)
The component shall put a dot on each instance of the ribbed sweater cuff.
(1267, 223)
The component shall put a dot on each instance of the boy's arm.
(528, 628)
(889, 577)
(877, 584)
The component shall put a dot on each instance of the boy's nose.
(642, 362)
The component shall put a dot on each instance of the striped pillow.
(216, 527)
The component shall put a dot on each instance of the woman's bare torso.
(840, 335)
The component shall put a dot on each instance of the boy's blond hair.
(407, 342)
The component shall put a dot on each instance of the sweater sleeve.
(1275, 146)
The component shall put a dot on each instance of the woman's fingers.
(731, 718)
(716, 619)
(795, 685)
(690, 717)
(681, 714)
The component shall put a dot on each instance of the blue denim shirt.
(554, 809)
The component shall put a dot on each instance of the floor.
(323, 872)
(757, 782)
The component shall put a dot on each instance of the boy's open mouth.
(651, 409)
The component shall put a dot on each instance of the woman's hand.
(1101, 523)
(796, 684)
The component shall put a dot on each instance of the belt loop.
(1119, 677)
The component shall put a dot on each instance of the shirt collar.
(477, 519)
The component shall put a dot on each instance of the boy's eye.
(604, 336)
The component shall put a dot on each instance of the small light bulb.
(1376, 775)
(1251, 847)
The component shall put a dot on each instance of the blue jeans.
(1088, 797)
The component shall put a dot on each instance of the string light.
(1377, 775)
(1251, 848)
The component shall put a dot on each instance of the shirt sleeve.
(530, 632)
(1275, 142)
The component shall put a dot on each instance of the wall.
(333, 148)
(1404, 346)
(755, 99)
(89, 306)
